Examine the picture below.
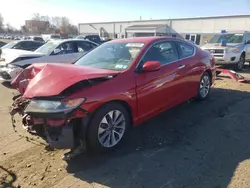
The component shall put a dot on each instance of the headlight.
(54, 106)
(228, 50)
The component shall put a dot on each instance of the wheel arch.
(210, 75)
(243, 53)
(121, 102)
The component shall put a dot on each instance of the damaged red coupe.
(113, 87)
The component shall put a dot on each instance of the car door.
(159, 90)
(191, 69)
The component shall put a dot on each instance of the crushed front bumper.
(60, 131)
(61, 137)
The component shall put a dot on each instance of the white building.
(195, 29)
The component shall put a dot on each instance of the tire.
(204, 87)
(99, 135)
(241, 63)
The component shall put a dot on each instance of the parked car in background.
(94, 38)
(230, 48)
(8, 71)
(119, 84)
(47, 37)
(2, 44)
(64, 58)
(28, 45)
(36, 38)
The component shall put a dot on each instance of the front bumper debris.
(58, 133)
(5, 76)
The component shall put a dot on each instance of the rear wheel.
(107, 127)
(204, 87)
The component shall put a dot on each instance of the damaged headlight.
(47, 106)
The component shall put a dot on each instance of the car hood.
(41, 80)
(218, 45)
(11, 54)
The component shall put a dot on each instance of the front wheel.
(107, 127)
(204, 87)
(241, 63)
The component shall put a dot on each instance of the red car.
(115, 86)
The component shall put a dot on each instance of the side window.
(37, 44)
(185, 50)
(164, 52)
(83, 46)
(66, 47)
(247, 37)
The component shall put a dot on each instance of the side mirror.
(56, 51)
(151, 66)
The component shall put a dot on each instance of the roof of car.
(65, 40)
(141, 39)
(34, 41)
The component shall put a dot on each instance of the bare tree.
(1, 23)
(10, 28)
(36, 16)
(39, 17)
(57, 23)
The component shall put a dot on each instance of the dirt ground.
(197, 144)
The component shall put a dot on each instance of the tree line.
(56, 24)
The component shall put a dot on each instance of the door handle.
(181, 66)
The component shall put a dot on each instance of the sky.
(15, 12)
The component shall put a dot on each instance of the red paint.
(234, 75)
(151, 66)
(146, 93)
(51, 79)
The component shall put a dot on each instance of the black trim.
(84, 111)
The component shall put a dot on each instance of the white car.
(8, 71)
(8, 56)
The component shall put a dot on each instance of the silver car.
(230, 48)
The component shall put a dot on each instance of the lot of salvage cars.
(181, 143)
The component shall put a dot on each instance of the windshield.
(9, 45)
(48, 47)
(230, 38)
(111, 56)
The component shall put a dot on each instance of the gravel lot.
(191, 146)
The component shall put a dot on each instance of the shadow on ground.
(192, 145)
(7, 84)
(7, 178)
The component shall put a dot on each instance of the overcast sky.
(16, 11)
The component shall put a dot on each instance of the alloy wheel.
(112, 128)
(241, 63)
(204, 86)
